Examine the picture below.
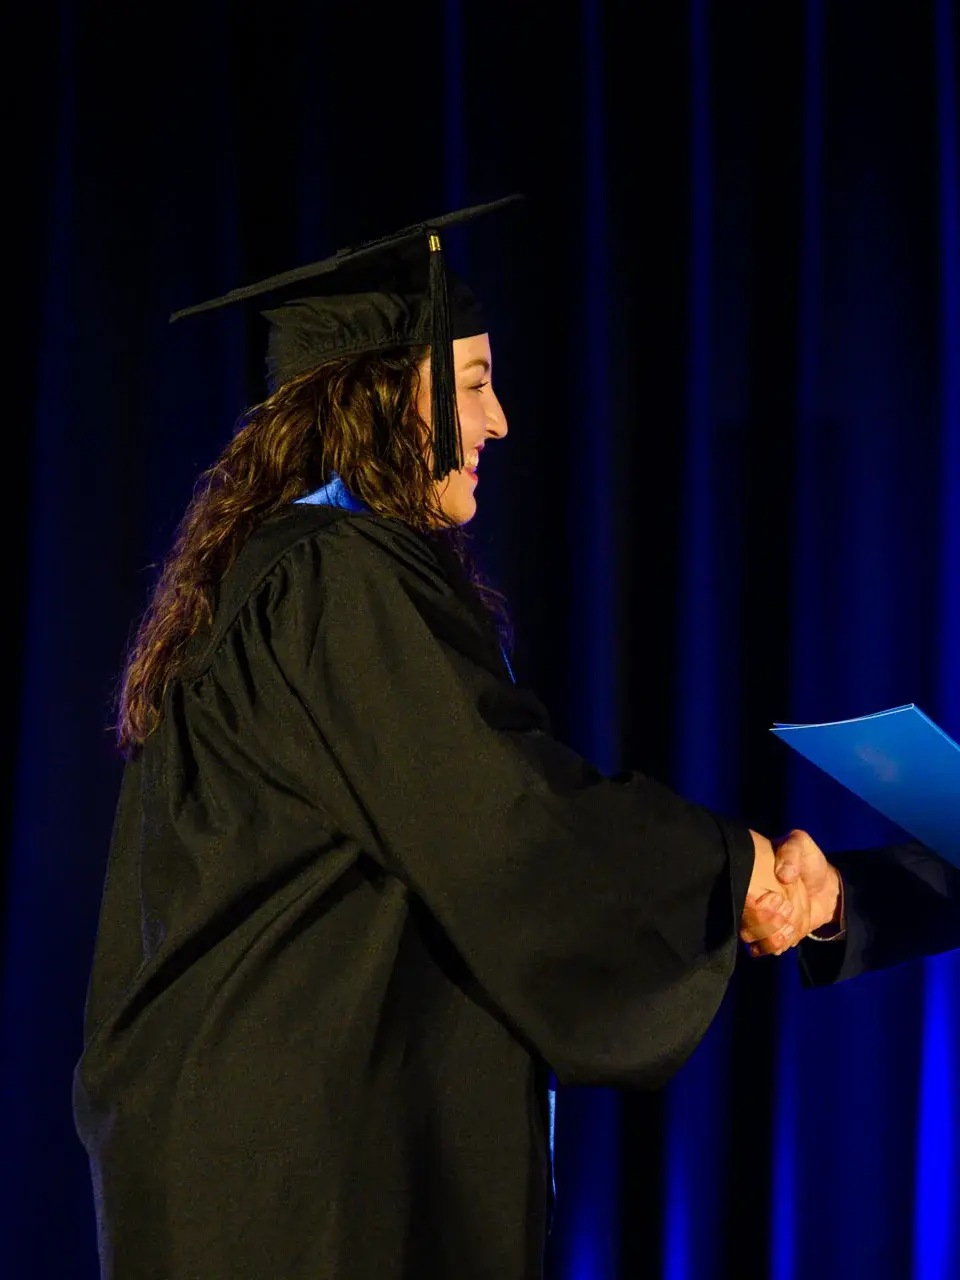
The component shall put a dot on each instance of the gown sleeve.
(599, 917)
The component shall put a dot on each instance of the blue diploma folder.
(900, 762)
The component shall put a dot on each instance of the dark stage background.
(727, 335)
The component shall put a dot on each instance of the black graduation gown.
(358, 901)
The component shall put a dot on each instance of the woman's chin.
(458, 501)
(464, 511)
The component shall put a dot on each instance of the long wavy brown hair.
(356, 416)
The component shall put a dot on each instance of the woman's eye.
(479, 386)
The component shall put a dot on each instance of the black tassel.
(447, 445)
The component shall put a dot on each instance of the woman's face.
(481, 420)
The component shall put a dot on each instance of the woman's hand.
(776, 916)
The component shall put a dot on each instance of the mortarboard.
(392, 292)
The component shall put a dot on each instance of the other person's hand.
(771, 921)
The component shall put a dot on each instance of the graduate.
(360, 904)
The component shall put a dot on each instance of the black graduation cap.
(391, 292)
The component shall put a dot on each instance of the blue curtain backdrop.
(727, 334)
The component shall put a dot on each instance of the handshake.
(794, 891)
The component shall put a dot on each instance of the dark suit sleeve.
(902, 903)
